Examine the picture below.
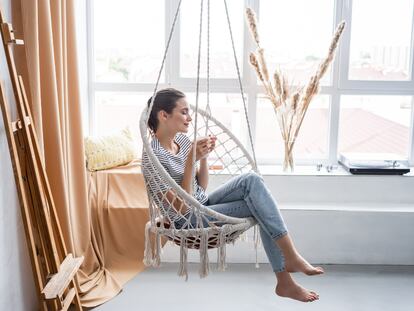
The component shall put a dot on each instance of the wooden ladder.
(53, 268)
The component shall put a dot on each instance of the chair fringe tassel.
(152, 258)
(204, 262)
(257, 243)
(221, 253)
(148, 255)
(157, 256)
(183, 268)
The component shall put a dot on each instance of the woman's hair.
(166, 100)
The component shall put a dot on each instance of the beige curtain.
(51, 61)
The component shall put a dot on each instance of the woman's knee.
(253, 177)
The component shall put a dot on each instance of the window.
(116, 110)
(312, 140)
(375, 124)
(124, 49)
(226, 108)
(381, 40)
(366, 99)
(296, 35)
(221, 55)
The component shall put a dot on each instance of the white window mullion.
(411, 141)
(377, 86)
(91, 65)
(231, 85)
(172, 68)
(345, 45)
(126, 87)
(333, 126)
(249, 77)
(376, 92)
(412, 50)
(168, 21)
(176, 78)
(334, 102)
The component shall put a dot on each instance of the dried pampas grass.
(290, 105)
(251, 20)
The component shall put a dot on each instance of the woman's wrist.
(190, 155)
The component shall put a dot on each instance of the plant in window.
(290, 103)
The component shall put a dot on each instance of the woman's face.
(179, 119)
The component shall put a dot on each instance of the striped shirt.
(174, 164)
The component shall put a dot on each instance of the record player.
(374, 163)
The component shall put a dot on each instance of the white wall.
(17, 290)
(337, 220)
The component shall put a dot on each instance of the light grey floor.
(243, 287)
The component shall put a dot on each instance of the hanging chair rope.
(212, 229)
(256, 231)
(240, 85)
(163, 61)
(208, 110)
(193, 172)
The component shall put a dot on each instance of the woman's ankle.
(283, 277)
(287, 247)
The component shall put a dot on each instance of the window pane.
(226, 108)
(221, 54)
(128, 40)
(312, 139)
(115, 111)
(296, 35)
(380, 40)
(375, 124)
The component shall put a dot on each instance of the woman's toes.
(314, 295)
(299, 264)
(316, 270)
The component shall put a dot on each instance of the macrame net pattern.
(208, 229)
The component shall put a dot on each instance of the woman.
(242, 196)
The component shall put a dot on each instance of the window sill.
(307, 187)
(391, 207)
(311, 170)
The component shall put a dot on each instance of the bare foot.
(299, 264)
(296, 292)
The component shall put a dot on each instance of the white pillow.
(110, 151)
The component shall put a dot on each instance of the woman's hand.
(203, 147)
(212, 142)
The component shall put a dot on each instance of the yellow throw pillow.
(109, 151)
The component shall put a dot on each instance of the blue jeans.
(246, 195)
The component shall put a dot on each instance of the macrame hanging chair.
(229, 158)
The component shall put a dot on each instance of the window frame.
(340, 84)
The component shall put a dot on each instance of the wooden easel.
(54, 270)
